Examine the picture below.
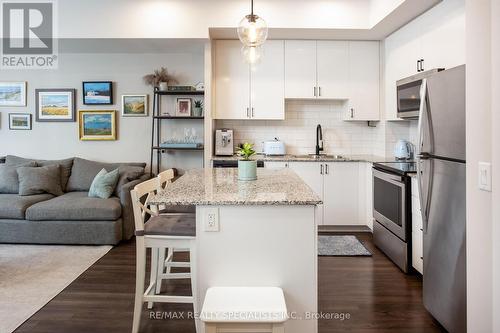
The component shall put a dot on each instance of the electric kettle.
(403, 150)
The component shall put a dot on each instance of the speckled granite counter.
(305, 158)
(222, 187)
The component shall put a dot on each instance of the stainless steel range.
(392, 210)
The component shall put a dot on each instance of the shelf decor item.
(183, 108)
(134, 105)
(98, 93)
(12, 93)
(247, 169)
(159, 78)
(181, 89)
(55, 105)
(19, 121)
(198, 108)
(97, 125)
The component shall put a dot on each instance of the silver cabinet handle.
(326, 169)
(248, 113)
(252, 112)
(319, 91)
(352, 112)
(314, 91)
(321, 169)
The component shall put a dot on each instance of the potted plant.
(247, 169)
(159, 78)
(198, 108)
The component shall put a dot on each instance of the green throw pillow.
(104, 184)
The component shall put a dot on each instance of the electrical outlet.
(211, 219)
(484, 180)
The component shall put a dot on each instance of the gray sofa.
(71, 218)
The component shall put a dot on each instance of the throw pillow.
(38, 180)
(127, 174)
(9, 182)
(104, 184)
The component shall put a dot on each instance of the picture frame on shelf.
(183, 107)
(97, 92)
(97, 125)
(55, 105)
(135, 105)
(13, 93)
(20, 121)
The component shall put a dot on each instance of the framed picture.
(134, 105)
(55, 104)
(97, 125)
(98, 93)
(12, 93)
(183, 108)
(19, 121)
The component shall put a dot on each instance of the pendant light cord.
(251, 7)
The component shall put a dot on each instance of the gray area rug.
(341, 246)
(31, 275)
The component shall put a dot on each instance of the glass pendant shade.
(252, 31)
(252, 54)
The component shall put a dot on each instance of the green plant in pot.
(198, 108)
(247, 168)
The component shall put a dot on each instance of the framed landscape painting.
(98, 93)
(97, 125)
(55, 104)
(12, 93)
(19, 121)
(134, 105)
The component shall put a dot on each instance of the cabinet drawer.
(417, 251)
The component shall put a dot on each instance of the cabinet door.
(364, 81)
(267, 87)
(311, 174)
(443, 36)
(232, 81)
(341, 194)
(300, 69)
(333, 69)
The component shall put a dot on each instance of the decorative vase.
(247, 170)
(163, 86)
(197, 112)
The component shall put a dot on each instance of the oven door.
(389, 202)
(409, 99)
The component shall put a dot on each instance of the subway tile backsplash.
(298, 130)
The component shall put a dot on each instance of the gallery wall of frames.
(94, 105)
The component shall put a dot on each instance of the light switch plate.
(211, 219)
(484, 180)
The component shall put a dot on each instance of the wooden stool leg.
(160, 270)
(139, 282)
(194, 286)
(153, 276)
(278, 328)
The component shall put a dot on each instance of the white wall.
(480, 312)
(59, 140)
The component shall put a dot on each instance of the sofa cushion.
(13, 206)
(9, 182)
(104, 184)
(76, 206)
(84, 172)
(65, 164)
(38, 180)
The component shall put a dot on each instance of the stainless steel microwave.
(409, 94)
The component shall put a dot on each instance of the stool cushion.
(244, 305)
(171, 225)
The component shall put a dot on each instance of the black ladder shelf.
(156, 149)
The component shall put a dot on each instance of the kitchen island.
(254, 233)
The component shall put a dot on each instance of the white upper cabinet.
(249, 92)
(333, 69)
(300, 69)
(434, 40)
(364, 81)
(267, 87)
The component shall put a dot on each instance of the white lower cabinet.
(417, 233)
(275, 164)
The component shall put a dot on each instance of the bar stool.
(159, 232)
(244, 309)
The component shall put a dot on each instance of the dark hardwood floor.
(372, 291)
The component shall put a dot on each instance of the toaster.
(274, 147)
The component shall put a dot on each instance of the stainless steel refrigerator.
(441, 177)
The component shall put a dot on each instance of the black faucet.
(319, 139)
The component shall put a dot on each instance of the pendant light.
(252, 30)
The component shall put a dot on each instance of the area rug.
(341, 246)
(31, 275)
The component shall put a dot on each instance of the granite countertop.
(305, 158)
(220, 186)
